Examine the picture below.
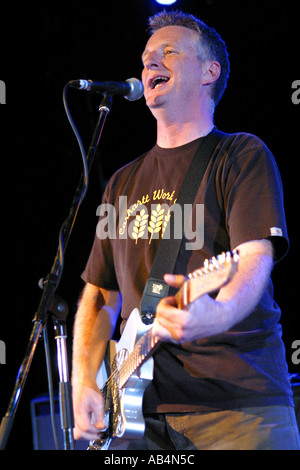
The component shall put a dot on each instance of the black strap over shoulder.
(168, 249)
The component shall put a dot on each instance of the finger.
(167, 307)
(158, 330)
(84, 426)
(97, 419)
(174, 280)
(168, 321)
(89, 436)
(89, 417)
(84, 430)
(166, 302)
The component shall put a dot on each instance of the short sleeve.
(254, 197)
(100, 269)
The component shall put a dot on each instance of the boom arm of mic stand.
(51, 281)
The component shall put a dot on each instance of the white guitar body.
(131, 423)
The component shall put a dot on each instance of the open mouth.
(157, 81)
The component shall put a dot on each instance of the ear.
(211, 72)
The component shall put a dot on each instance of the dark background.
(46, 46)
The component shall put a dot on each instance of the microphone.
(132, 89)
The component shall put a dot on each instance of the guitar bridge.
(100, 444)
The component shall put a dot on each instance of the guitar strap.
(164, 262)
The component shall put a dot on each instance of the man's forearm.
(94, 324)
(244, 291)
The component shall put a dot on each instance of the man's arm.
(235, 301)
(94, 325)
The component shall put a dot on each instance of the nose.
(152, 60)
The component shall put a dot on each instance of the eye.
(169, 51)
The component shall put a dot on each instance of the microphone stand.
(50, 284)
(65, 391)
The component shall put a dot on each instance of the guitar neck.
(142, 350)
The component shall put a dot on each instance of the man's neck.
(176, 132)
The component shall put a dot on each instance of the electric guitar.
(128, 366)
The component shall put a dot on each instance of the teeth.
(157, 80)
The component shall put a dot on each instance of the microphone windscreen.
(137, 89)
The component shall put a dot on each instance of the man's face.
(172, 73)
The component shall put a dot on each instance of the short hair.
(209, 40)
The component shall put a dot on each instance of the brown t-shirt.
(241, 194)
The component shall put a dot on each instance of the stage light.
(166, 2)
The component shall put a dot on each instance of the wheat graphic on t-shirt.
(139, 226)
(166, 221)
(155, 222)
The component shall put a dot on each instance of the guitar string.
(126, 366)
(144, 346)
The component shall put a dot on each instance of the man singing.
(220, 374)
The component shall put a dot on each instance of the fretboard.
(138, 356)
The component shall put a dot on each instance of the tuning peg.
(221, 258)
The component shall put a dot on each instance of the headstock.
(215, 273)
